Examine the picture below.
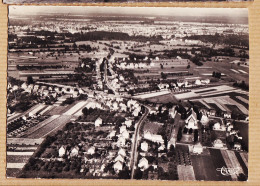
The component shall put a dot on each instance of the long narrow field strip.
(186, 95)
(19, 153)
(17, 159)
(234, 71)
(204, 103)
(79, 112)
(242, 164)
(30, 148)
(228, 163)
(185, 172)
(153, 94)
(243, 99)
(219, 162)
(203, 168)
(244, 72)
(40, 125)
(38, 108)
(235, 162)
(15, 165)
(222, 101)
(76, 108)
(206, 92)
(46, 109)
(13, 117)
(49, 127)
(244, 157)
(23, 141)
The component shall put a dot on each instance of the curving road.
(135, 143)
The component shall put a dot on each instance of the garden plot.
(23, 141)
(15, 165)
(228, 163)
(46, 109)
(40, 125)
(185, 172)
(50, 127)
(244, 157)
(222, 101)
(15, 153)
(242, 99)
(204, 92)
(76, 108)
(152, 94)
(13, 117)
(232, 162)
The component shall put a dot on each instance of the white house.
(218, 143)
(204, 119)
(144, 146)
(74, 151)
(119, 158)
(91, 150)
(197, 82)
(98, 122)
(237, 146)
(125, 134)
(122, 152)
(153, 137)
(135, 113)
(197, 148)
(121, 141)
(62, 151)
(227, 115)
(128, 123)
(143, 164)
(191, 120)
(118, 166)
(218, 126)
(122, 129)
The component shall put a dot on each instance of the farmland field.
(152, 127)
(218, 162)
(163, 99)
(185, 172)
(48, 128)
(203, 167)
(152, 94)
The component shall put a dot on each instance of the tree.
(179, 135)
(30, 80)
(196, 135)
(124, 174)
(161, 66)
(213, 74)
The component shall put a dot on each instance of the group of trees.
(241, 85)
(216, 74)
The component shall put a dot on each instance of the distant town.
(127, 97)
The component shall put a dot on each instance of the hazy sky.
(230, 12)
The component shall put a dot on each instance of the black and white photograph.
(127, 93)
(112, 1)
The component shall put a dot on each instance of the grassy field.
(163, 99)
(152, 127)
